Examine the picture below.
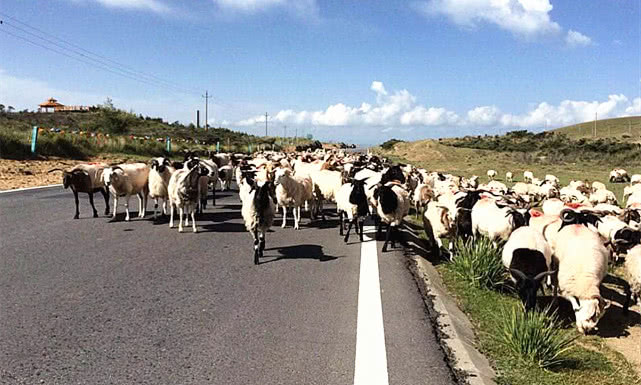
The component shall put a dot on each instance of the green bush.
(535, 336)
(388, 145)
(479, 263)
(14, 145)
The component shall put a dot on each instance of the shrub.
(535, 336)
(388, 145)
(479, 263)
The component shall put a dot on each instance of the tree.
(10, 109)
(1, 108)
(108, 104)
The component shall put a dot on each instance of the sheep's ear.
(604, 303)
(576, 305)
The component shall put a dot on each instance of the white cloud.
(304, 8)
(400, 109)
(484, 116)
(575, 39)
(150, 5)
(525, 18)
(635, 108)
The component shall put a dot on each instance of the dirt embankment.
(32, 173)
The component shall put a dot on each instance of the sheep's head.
(527, 286)
(112, 175)
(588, 312)
(192, 162)
(160, 164)
(280, 175)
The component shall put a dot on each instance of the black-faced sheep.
(258, 210)
(529, 258)
(393, 204)
(351, 200)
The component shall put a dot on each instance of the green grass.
(479, 263)
(535, 336)
(617, 127)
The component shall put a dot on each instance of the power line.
(116, 68)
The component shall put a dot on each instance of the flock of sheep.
(568, 243)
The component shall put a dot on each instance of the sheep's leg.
(171, 215)
(256, 246)
(155, 208)
(262, 242)
(180, 218)
(93, 207)
(349, 228)
(141, 207)
(106, 196)
(145, 198)
(187, 215)
(193, 220)
(341, 214)
(164, 206)
(387, 237)
(75, 197)
(213, 195)
(360, 225)
(394, 230)
(284, 217)
(628, 294)
(115, 206)
(296, 217)
(127, 207)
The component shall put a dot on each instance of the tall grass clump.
(535, 336)
(478, 263)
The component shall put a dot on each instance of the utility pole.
(266, 124)
(207, 97)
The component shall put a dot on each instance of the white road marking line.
(370, 365)
(29, 188)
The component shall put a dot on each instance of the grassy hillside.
(617, 127)
(80, 135)
(441, 155)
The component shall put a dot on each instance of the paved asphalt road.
(88, 301)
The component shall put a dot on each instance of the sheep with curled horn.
(85, 178)
(572, 217)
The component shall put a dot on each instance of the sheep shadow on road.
(305, 251)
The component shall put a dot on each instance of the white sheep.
(159, 176)
(491, 174)
(225, 176)
(528, 176)
(439, 223)
(632, 268)
(183, 195)
(423, 194)
(603, 196)
(127, 180)
(635, 179)
(596, 185)
(582, 262)
(529, 259)
(552, 179)
(258, 211)
(509, 177)
(326, 185)
(293, 191)
(494, 222)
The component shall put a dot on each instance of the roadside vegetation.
(108, 130)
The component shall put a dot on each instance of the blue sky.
(352, 70)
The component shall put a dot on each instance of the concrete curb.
(29, 188)
(454, 324)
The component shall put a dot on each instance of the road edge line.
(29, 188)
